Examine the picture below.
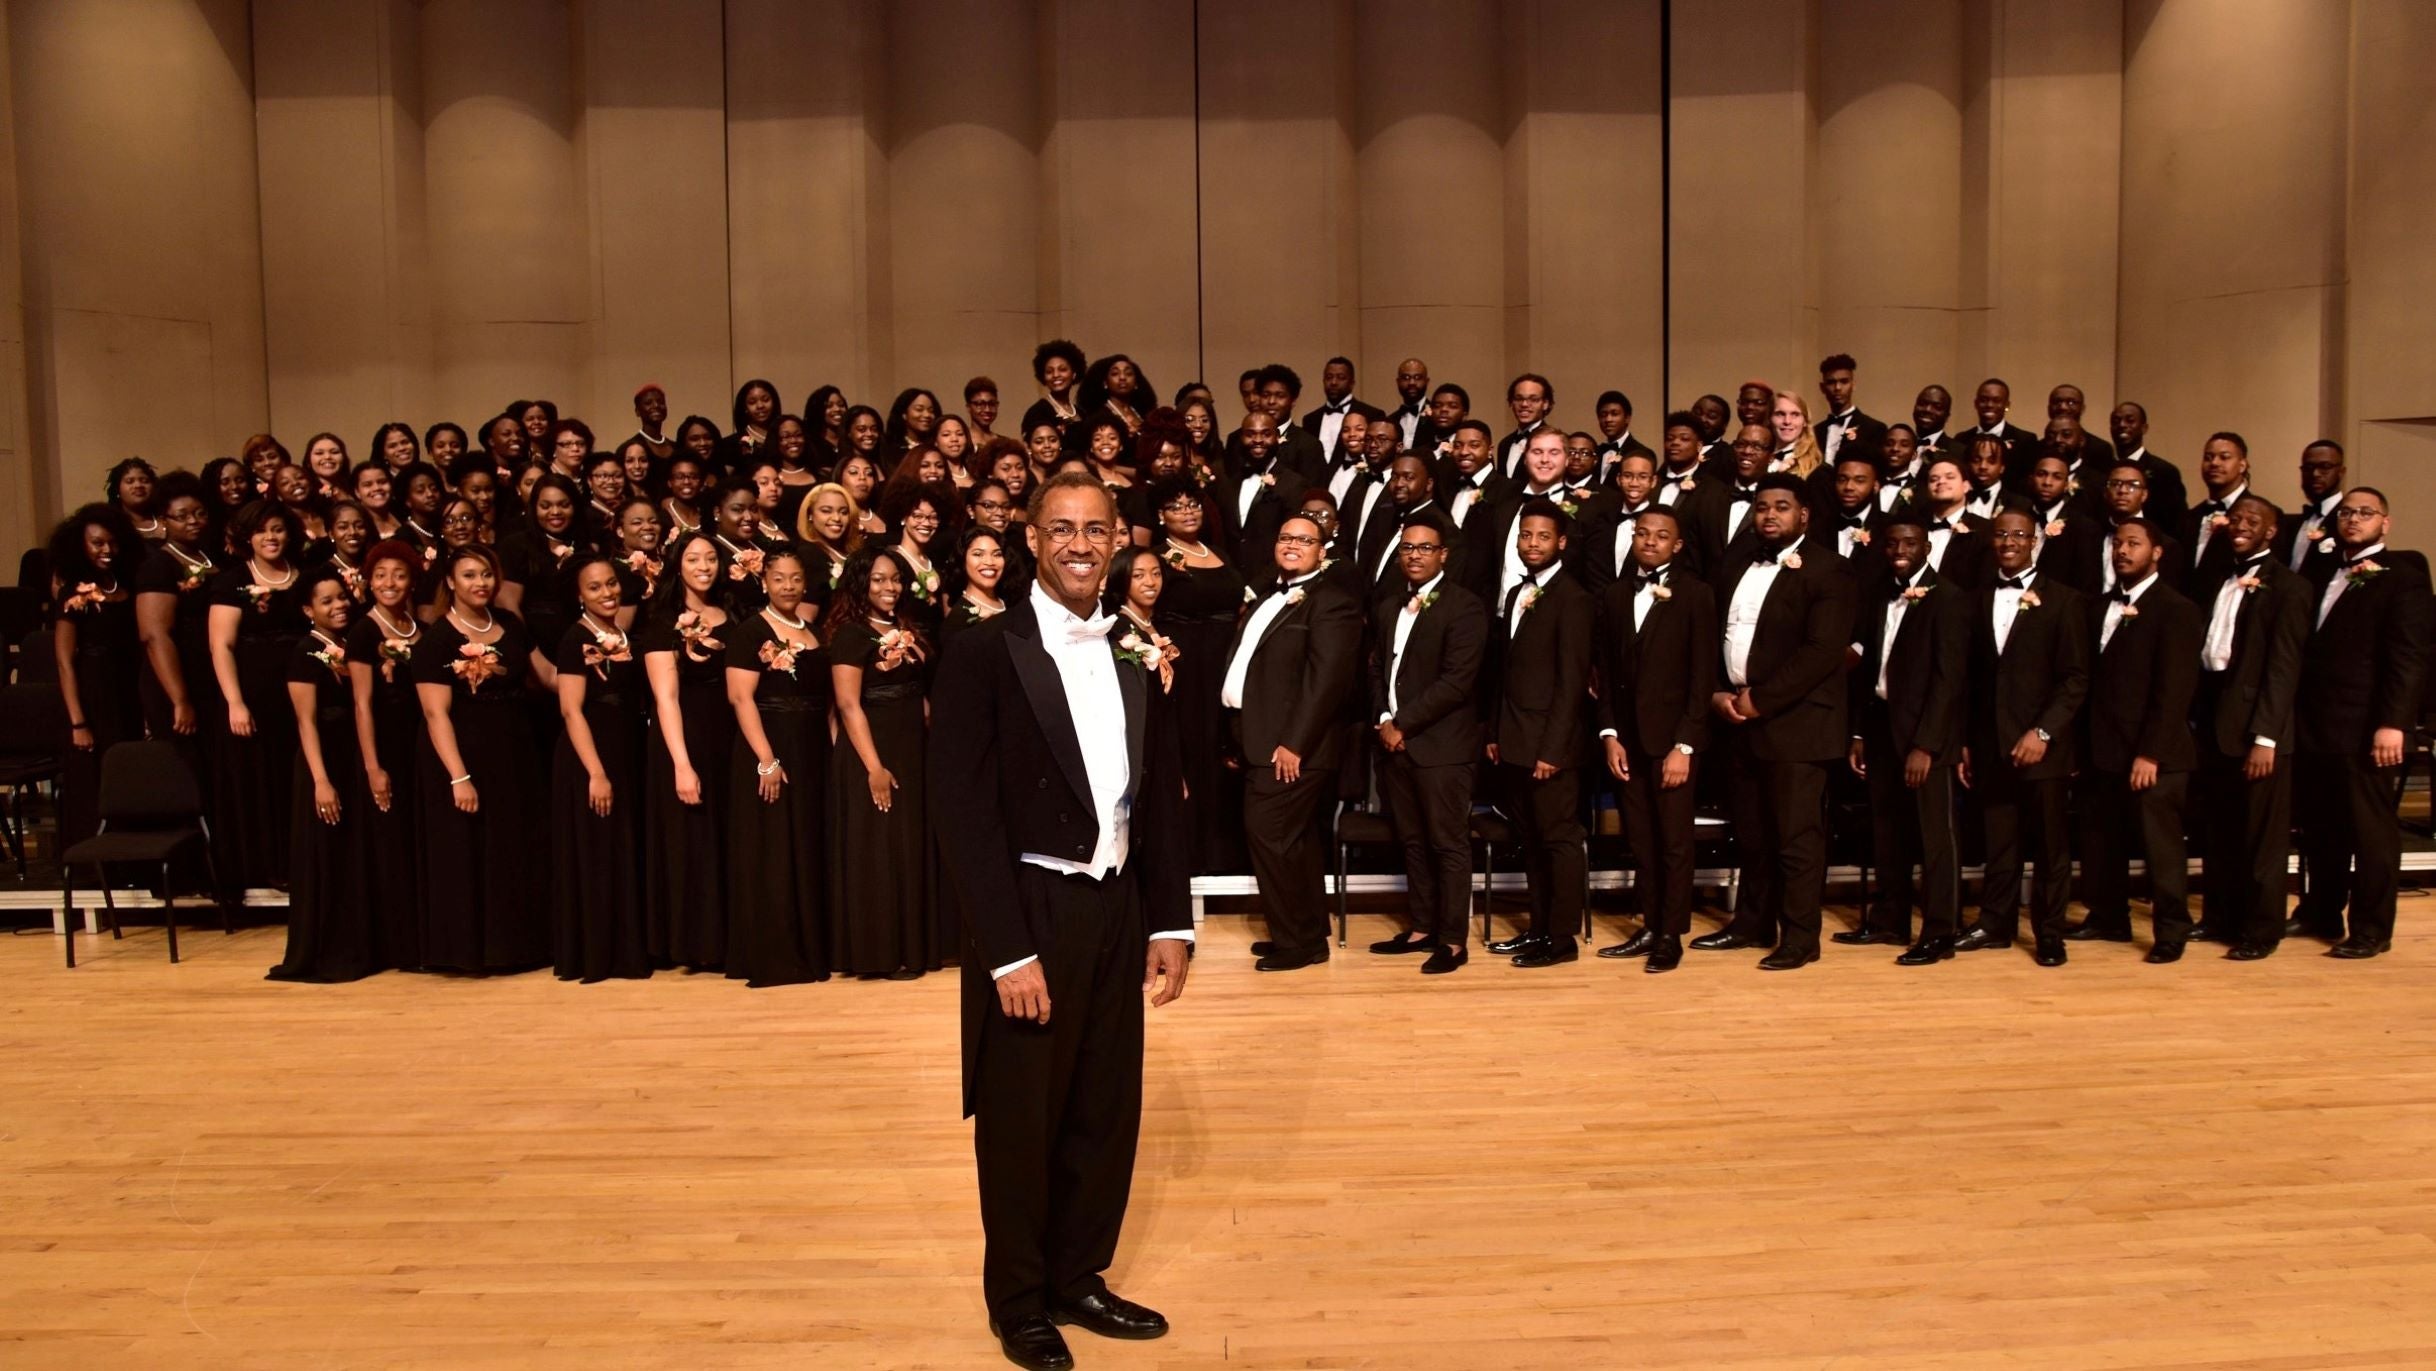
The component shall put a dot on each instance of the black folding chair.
(151, 812)
(33, 723)
(1356, 828)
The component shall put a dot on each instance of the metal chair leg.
(110, 906)
(1340, 892)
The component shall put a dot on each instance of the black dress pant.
(2245, 830)
(1908, 827)
(2351, 841)
(1289, 856)
(2113, 819)
(1431, 808)
(1658, 826)
(1547, 819)
(2025, 819)
(1780, 823)
(1057, 1107)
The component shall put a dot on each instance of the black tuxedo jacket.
(1612, 455)
(1706, 514)
(2366, 664)
(1483, 539)
(2322, 550)
(1436, 676)
(1866, 561)
(1301, 675)
(1007, 772)
(1310, 423)
(1868, 433)
(2038, 681)
(2142, 681)
(1591, 552)
(2202, 575)
(1927, 673)
(1970, 559)
(1797, 655)
(2254, 697)
(1255, 538)
(1542, 685)
(1655, 681)
(2092, 553)
(1510, 451)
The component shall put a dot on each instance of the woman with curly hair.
(98, 652)
(129, 489)
(332, 934)
(924, 519)
(883, 903)
(257, 616)
(778, 785)
(1058, 366)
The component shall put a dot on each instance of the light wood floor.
(1977, 1164)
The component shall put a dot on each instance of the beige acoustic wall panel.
(2389, 327)
(142, 248)
(25, 499)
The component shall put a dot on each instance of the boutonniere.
(2129, 611)
(87, 597)
(779, 656)
(644, 565)
(1791, 561)
(194, 577)
(1915, 594)
(353, 577)
(695, 632)
(2054, 529)
(257, 597)
(607, 647)
(1414, 604)
(926, 584)
(1251, 596)
(2248, 584)
(897, 646)
(1661, 591)
(1201, 475)
(747, 563)
(1686, 483)
(1174, 557)
(395, 652)
(333, 656)
(561, 551)
(431, 553)
(2327, 543)
(1268, 478)
(1860, 537)
(1571, 507)
(2362, 571)
(1294, 596)
(1155, 653)
(476, 663)
(1959, 526)
(2219, 520)
(2030, 599)
(1530, 597)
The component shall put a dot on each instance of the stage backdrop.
(310, 214)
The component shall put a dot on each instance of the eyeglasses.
(994, 506)
(1419, 549)
(1297, 540)
(1062, 532)
(2359, 512)
(2013, 535)
(2127, 485)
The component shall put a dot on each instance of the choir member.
(2224, 469)
(828, 530)
(1198, 609)
(1787, 621)
(1845, 427)
(375, 492)
(734, 520)
(882, 905)
(98, 651)
(2169, 499)
(981, 565)
(635, 546)
(393, 448)
(1058, 366)
(1431, 643)
(227, 489)
(2030, 640)
(385, 794)
(596, 789)
(443, 444)
(860, 478)
(2141, 753)
(350, 534)
(1539, 688)
(257, 614)
(604, 485)
(2307, 541)
(1659, 648)
(486, 905)
(752, 420)
(778, 684)
(699, 438)
(1907, 689)
(917, 515)
(180, 691)
(334, 932)
(651, 414)
(2361, 686)
(681, 485)
(1263, 497)
(129, 489)
(682, 636)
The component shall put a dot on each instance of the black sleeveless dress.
(777, 865)
(598, 860)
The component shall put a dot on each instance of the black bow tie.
(2210, 507)
(1770, 558)
(1648, 577)
(1856, 521)
(1738, 494)
(2013, 582)
(1935, 524)
(2119, 596)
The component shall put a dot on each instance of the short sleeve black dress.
(250, 776)
(883, 907)
(332, 928)
(684, 886)
(777, 864)
(597, 860)
(486, 905)
(393, 867)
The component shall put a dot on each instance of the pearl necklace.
(412, 628)
(198, 561)
(1190, 549)
(254, 569)
(490, 621)
(777, 618)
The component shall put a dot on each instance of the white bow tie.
(1079, 631)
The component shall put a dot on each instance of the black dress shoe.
(1979, 940)
(1290, 961)
(1263, 948)
(1723, 940)
(2360, 949)
(2163, 953)
(2201, 933)
(1507, 947)
(1112, 1316)
(1927, 952)
(2250, 952)
(2302, 926)
(1399, 946)
(1549, 953)
(1442, 960)
(1864, 937)
(2049, 954)
(1638, 945)
(1032, 1340)
(1665, 955)
(1788, 959)
(2089, 932)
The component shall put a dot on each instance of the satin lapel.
(1047, 692)
(1135, 683)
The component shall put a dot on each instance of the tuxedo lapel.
(1047, 692)
(1134, 681)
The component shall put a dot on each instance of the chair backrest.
(20, 612)
(148, 785)
(33, 721)
(34, 570)
(35, 659)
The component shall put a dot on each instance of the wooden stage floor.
(1855, 1165)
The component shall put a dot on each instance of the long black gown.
(1197, 611)
(684, 883)
(333, 932)
(883, 910)
(777, 869)
(598, 860)
(165, 573)
(250, 776)
(486, 905)
(109, 668)
(393, 870)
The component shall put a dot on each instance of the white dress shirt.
(2114, 609)
(1509, 457)
(1387, 557)
(1670, 483)
(2336, 583)
(1341, 479)
(1892, 625)
(2008, 607)
(1742, 612)
(1736, 512)
(1408, 420)
(2224, 618)
(1405, 619)
(1264, 615)
(1332, 422)
(1982, 503)
(1939, 537)
(1837, 426)
(1624, 542)
(1898, 482)
(1466, 497)
(1643, 598)
(1087, 668)
(1248, 490)
(2317, 521)
(2207, 522)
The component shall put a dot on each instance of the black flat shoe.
(1980, 940)
(1290, 961)
(1788, 959)
(2163, 953)
(1665, 956)
(1866, 937)
(1722, 940)
(2250, 952)
(1507, 947)
(2204, 934)
(2360, 949)
(1549, 953)
(1441, 961)
(2087, 932)
(2049, 954)
(1112, 1316)
(1927, 952)
(1032, 1341)
(1398, 946)
(1638, 945)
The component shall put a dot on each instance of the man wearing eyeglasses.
(1069, 853)
(2362, 681)
(2127, 498)
(1288, 675)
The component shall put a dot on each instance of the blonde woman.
(828, 529)
(1797, 449)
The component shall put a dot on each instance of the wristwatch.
(2042, 735)
(1684, 748)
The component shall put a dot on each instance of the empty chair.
(151, 813)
